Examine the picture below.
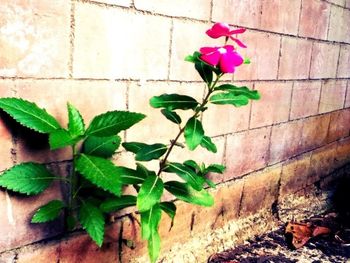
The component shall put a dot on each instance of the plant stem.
(73, 180)
(195, 115)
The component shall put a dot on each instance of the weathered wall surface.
(115, 54)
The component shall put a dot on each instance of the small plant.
(96, 184)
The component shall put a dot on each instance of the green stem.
(195, 115)
(73, 180)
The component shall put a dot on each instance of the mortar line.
(71, 39)
(170, 53)
(211, 11)
(299, 22)
(329, 22)
(279, 59)
(291, 102)
(319, 101)
(338, 62)
(311, 59)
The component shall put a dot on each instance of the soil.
(275, 247)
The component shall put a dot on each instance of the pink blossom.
(223, 30)
(225, 57)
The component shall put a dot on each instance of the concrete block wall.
(115, 54)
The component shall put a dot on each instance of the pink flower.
(223, 30)
(225, 57)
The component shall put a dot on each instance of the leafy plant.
(96, 184)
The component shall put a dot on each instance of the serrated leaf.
(48, 212)
(215, 168)
(171, 116)
(101, 172)
(29, 115)
(150, 221)
(231, 98)
(169, 208)
(130, 176)
(208, 144)
(186, 193)
(93, 221)
(245, 91)
(204, 71)
(150, 193)
(151, 152)
(112, 122)
(76, 126)
(133, 147)
(173, 102)
(186, 174)
(27, 178)
(61, 138)
(194, 133)
(154, 246)
(102, 146)
(115, 204)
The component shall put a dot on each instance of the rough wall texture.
(115, 54)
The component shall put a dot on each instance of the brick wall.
(115, 54)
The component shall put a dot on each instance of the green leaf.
(150, 221)
(151, 152)
(246, 61)
(101, 172)
(102, 146)
(76, 126)
(133, 147)
(112, 122)
(186, 193)
(27, 178)
(48, 212)
(192, 164)
(150, 193)
(93, 221)
(229, 98)
(251, 94)
(29, 115)
(215, 168)
(193, 58)
(130, 176)
(208, 144)
(194, 133)
(173, 102)
(171, 116)
(61, 138)
(210, 183)
(187, 174)
(169, 208)
(204, 71)
(115, 204)
(154, 246)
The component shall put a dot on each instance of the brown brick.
(125, 50)
(273, 107)
(285, 139)
(347, 99)
(339, 126)
(34, 45)
(246, 152)
(125, 3)
(322, 162)
(324, 60)
(155, 127)
(294, 174)
(5, 129)
(17, 212)
(314, 19)
(332, 95)
(295, 58)
(344, 62)
(235, 12)
(339, 24)
(226, 208)
(180, 69)
(314, 133)
(280, 16)
(263, 50)
(197, 9)
(103, 96)
(260, 190)
(343, 152)
(305, 91)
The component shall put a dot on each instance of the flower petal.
(229, 61)
(205, 50)
(219, 30)
(237, 31)
(239, 42)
